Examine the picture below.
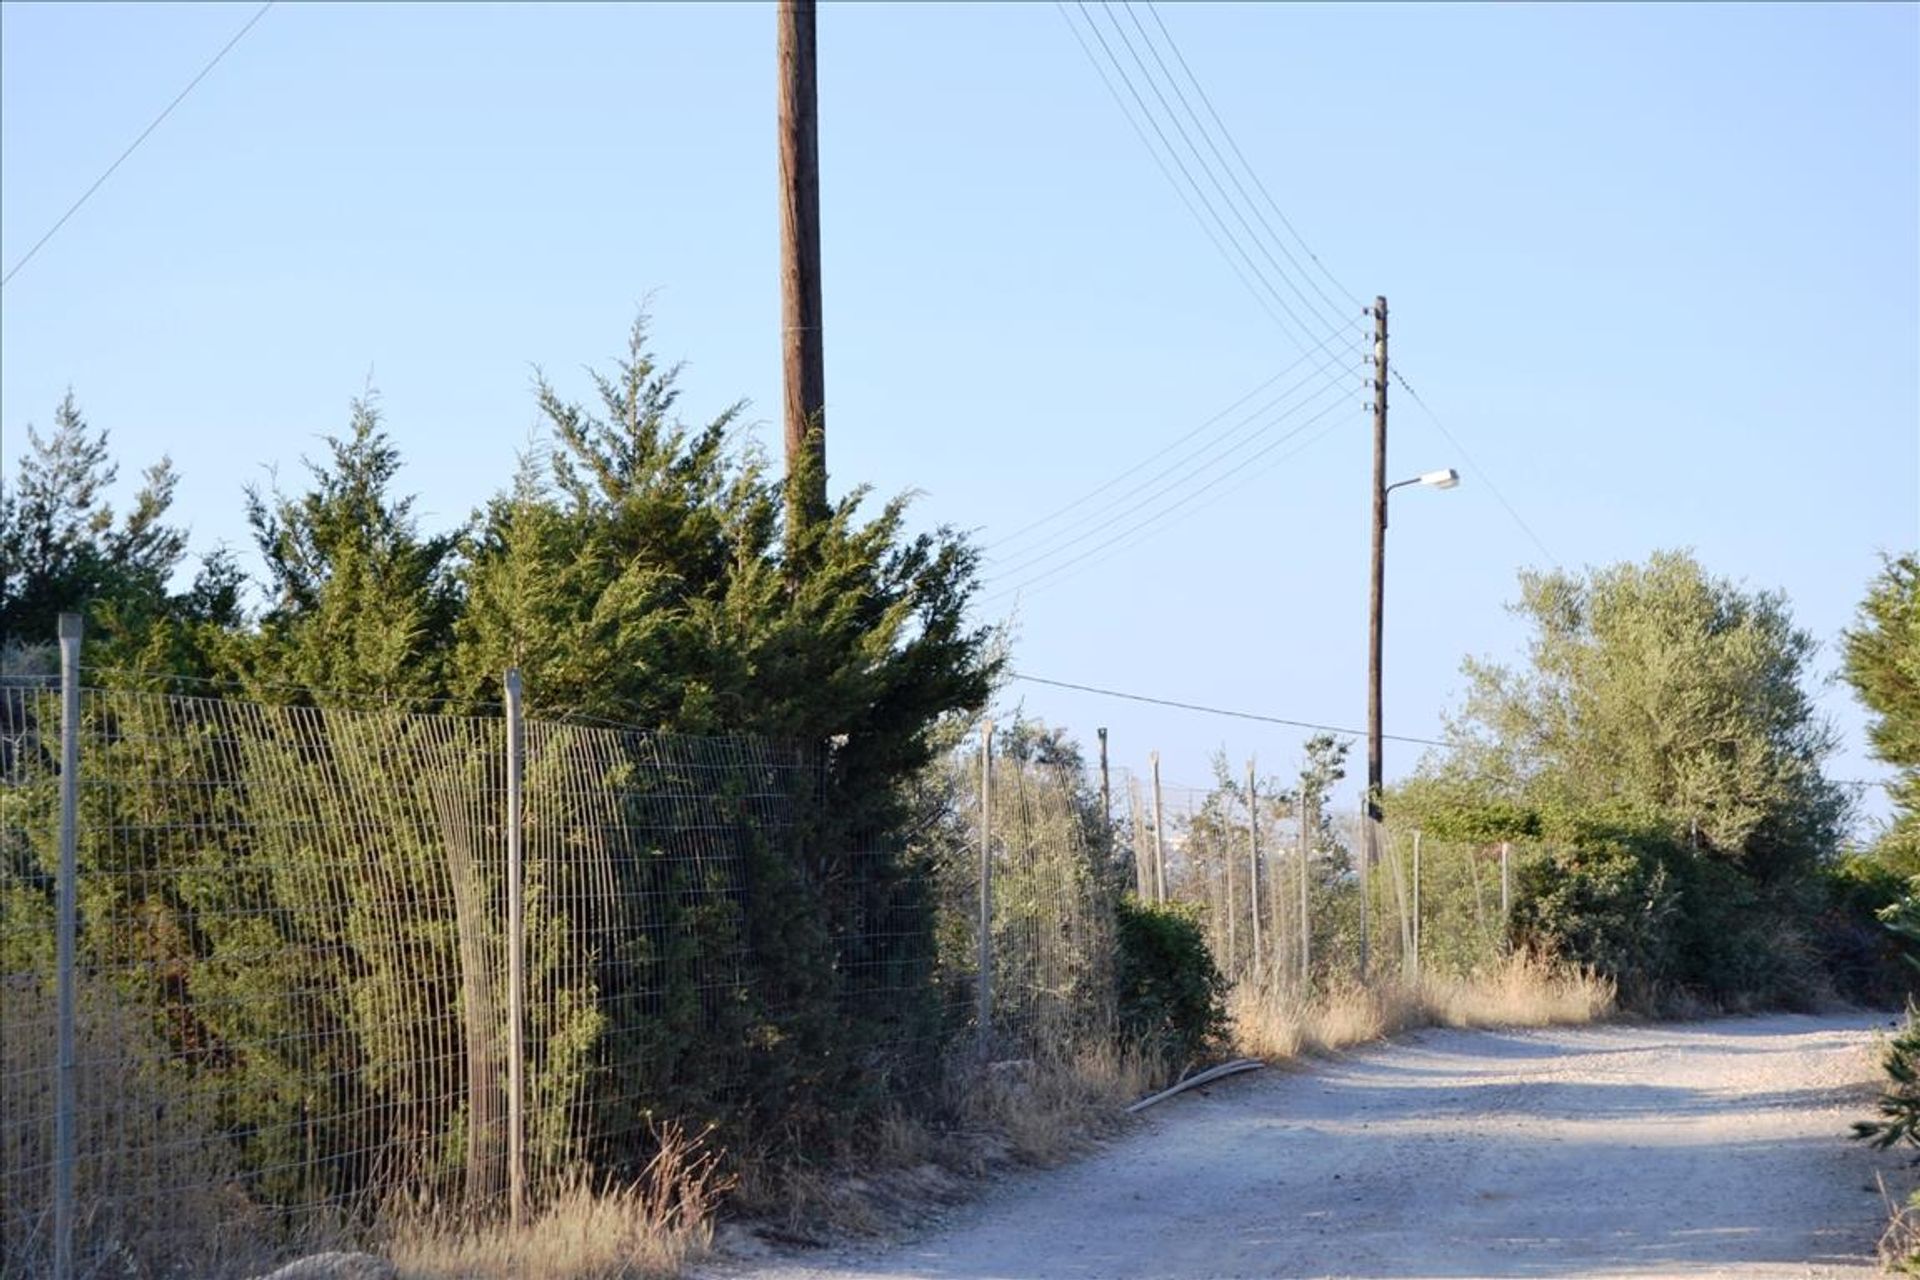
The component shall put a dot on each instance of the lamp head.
(1446, 478)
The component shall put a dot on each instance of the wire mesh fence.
(332, 968)
(298, 1011)
(1298, 900)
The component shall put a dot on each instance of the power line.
(1206, 135)
(1467, 457)
(1140, 133)
(1158, 517)
(1091, 494)
(1132, 538)
(1187, 470)
(1226, 133)
(135, 144)
(1253, 173)
(1214, 711)
(1173, 117)
(1238, 255)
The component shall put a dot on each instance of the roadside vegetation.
(1657, 755)
(1883, 665)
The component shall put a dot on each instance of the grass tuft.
(649, 1229)
(1521, 991)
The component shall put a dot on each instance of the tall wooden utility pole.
(1376, 603)
(802, 350)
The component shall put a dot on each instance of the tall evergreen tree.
(359, 600)
(1883, 665)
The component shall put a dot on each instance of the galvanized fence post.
(1159, 843)
(67, 891)
(1506, 890)
(516, 958)
(1306, 916)
(1253, 865)
(1416, 906)
(983, 988)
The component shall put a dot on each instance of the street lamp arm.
(1445, 478)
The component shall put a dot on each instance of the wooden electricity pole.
(802, 350)
(1375, 771)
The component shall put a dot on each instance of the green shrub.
(1856, 949)
(1609, 906)
(1170, 996)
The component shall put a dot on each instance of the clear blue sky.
(1656, 268)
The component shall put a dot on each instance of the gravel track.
(1679, 1149)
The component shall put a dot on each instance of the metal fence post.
(983, 987)
(1306, 916)
(1506, 886)
(68, 891)
(1253, 865)
(1371, 833)
(516, 959)
(1159, 845)
(1106, 806)
(1416, 906)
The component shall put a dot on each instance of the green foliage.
(1658, 690)
(638, 571)
(1610, 906)
(1661, 746)
(1170, 996)
(358, 599)
(63, 549)
(1883, 665)
(1899, 1104)
(767, 960)
(1867, 961)
(1663, 921)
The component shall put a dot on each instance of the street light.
(1446, 478)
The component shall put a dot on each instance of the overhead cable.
(133, 146)
(1217, 711)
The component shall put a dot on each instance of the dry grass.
(1900, 1243)
(649, 1229)
(1520, 992)
(155, 1184)
(891, 1172)
(1048, 1109)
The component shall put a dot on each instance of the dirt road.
(1704, 1149)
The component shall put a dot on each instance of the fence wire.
(293, 989)
(292, 971)
(1305, 901)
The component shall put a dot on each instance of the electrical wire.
(1226, 133)
(1253, 173)
(1091, 494)
(1023, 563)
(1217, 711)
(1131, 537)
(1468, 458)
(133, 146)
(1237, 257)
(1195, 464)
(1173, 117)
(1339, 312)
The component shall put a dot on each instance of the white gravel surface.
(1680, 1149)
